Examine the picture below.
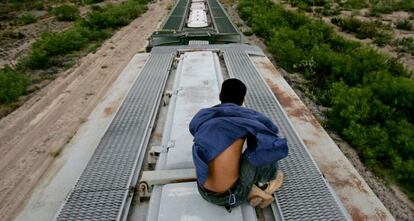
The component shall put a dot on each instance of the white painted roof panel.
(198, 88)
(181, 201)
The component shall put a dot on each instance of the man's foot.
(274, 185)
(259, 197)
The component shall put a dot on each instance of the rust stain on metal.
(108, 111)
(283, 98)
(356, 214)
(342, 182)
(309, 143)
(291, 105)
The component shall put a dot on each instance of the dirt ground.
(33, 136)
(392, 198)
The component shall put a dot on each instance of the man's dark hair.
(232, 91)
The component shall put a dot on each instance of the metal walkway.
(221, 19)
(102, 191)
(177, 16)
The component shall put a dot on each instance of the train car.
(142, 168)
(196, 20)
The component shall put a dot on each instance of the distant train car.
(189, 20)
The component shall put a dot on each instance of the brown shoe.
(274, 185)
(259, 197)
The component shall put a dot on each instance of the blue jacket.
(216, 128)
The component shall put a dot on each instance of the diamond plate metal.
(102, 190)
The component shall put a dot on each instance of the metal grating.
(176, 17)
(196, 42)
(220, 17)
(102, 190)
(305, 194)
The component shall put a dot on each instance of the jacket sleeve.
(267, 152)
(267, 122)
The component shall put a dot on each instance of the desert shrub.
(378, 32)
(404, 25)
(347, 24)
(329, 10)
(36, 59)
(405, 44)
(370, 95)
(12, 85)
(114, 16)
(66, 12)
(355, 4)
(384, 6)
(406, 5)
(382, 38)
(27, 19)
(39, 5)
(53, 44)
(94, 28)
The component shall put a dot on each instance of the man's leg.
(249, 176)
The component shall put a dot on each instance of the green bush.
(12, 85)
(94, 28)
(378, 32)
(66, 12)
(114, 16)
(384, 7)
(356, 4)
(329, 10)
(382, 38)
(370, 95)
(405, 44)
(27, 19)
(36, 59)
(406, 5)
(404, 25)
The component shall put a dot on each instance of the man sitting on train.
(227, 173)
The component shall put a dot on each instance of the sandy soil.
(392, 198)
(32, 136)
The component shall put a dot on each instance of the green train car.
(185, 24)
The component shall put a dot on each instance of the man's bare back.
(223, 171)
